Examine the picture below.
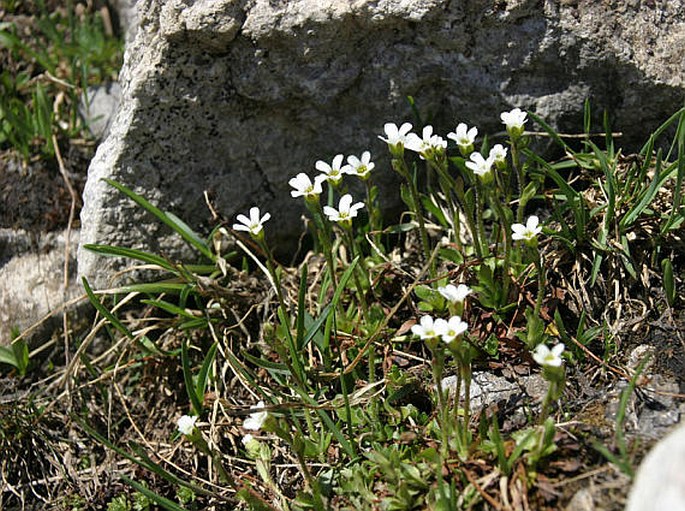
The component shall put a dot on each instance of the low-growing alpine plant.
(460, 285)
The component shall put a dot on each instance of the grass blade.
(131, 253)
(170, 220)
(114, 321)
(158, 499)
(203, 375)
(195, 400)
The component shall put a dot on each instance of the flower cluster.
(448, 330)
(428, 145)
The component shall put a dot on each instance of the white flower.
(526, 232)
(254, 224)
(479, 165)
(498, 153)
(548, 358)
(427, 145)
(256, 420)
(186, 424)
(429, 328)
(453, 329)
(361, 167)
(247, 439)
(464, 137)
(346, 210)
(303, 186)
(454, 293)
(514, 120)
(394, 135)
(333, 172)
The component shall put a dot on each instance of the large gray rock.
(32, 284)
(235, 97)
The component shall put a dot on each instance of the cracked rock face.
(234, 97)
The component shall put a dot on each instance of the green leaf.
(669, 281)
(139, 255)
(191, 390)
(170, 505)
(171, 308)
(7, 356)
(114, 321)
(203, 375)
(170, 220)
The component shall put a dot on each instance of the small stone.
(660, 481)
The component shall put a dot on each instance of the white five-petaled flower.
(256, 420)
(455, 294)
(527, 232)
(186, 424)
(429, 328)
(498, 153)
(361, 167)
(346, 210)
(427, 144)
(254, 224)
(479, 165)
(304, 187)
(463, 136)
(514, 120)
(333, 173)
(548, 358)
(395, 136)
(453, 328)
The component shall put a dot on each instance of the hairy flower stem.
(518, 170)
(400, 166)
(438, 368)
(552, 391)
(465, 368)
(354, 251)
(480, 225)
(324, 235)
(539, 263)
(469, 214)
(506, 233)
(271, 267)
(447, 185)
(374, 213)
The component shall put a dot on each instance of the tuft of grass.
(49, 59)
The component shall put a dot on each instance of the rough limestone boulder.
(235, 97)
(32, 284)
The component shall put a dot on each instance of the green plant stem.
(465, 368)
(506, 233)
(518, 170)
(470, 222)
(549, 397)
(400, 166)
(438, 368)
(374, 214)
(324, 235)
(480, 225)
(355, 274)
(541, 282)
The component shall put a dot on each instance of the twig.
(481, 491)
(67, 244)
